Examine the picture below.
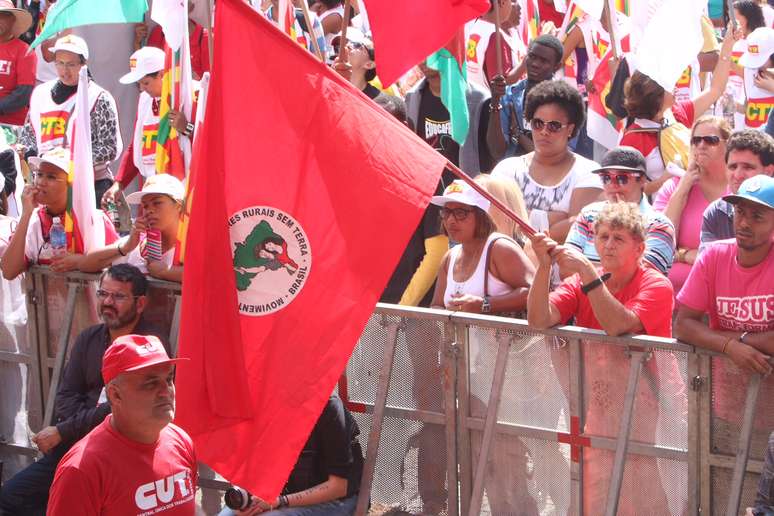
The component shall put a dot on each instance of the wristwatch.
(486, 306)
(743, 336)
(594, 284)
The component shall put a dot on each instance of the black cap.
(623, 158)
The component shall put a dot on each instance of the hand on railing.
(748, 358)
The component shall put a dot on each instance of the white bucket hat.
(166, 184)
(461, 192)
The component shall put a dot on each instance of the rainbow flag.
(169, 156)
(532, 25)
(571, 19)
(622, 6)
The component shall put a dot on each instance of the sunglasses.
(620, 179)
(709, 140)
(459, 214)
(554, 126)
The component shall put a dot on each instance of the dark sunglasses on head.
(554, 126)
(709, 140)
(621, 179)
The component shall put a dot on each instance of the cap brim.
(36, 161)
(619, 167)
(154, 363)
(735, 198)
(441, 200)
(131, 77)
(136, 197)
(749, 61)
(22, 23)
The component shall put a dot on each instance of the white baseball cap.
(58, 156)
(461, 192)
(71, 43)
(166, 184)
(142, 62)
(760, 46)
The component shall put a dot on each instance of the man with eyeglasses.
(748, 153)
(51, 109)
(623, 178)
(42, 201)
(80, 403)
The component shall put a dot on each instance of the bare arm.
(13, 261)
(690, 328)
(495, 139)
(332, 489)
(581, 197)
(540, 312)
(612, 315)
(719, 76)
(573, 40)
(440, 283)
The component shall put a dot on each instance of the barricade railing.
(472, 414)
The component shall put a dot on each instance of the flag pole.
(344, 25)
(528, 230)
(210, 39)
(611, 20)
(310, 29)
(498, 37)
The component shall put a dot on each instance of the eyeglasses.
(620, 179)
(67, 66)
(709, 140)
(118, 297)
(554, 126)
(459, 214)
(48, 177)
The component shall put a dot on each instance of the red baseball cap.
(134, 352)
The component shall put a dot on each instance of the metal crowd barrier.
(465, 414)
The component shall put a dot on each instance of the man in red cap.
(136, 461)
(17, 65)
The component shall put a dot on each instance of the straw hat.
(23, 18)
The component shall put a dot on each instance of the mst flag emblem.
(272, 258)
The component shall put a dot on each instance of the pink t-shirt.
(736, 298)
(689, 234)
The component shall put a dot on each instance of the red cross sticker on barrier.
(574, 439)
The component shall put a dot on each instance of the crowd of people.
(669, 233)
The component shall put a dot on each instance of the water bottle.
(112, 211)
(58, 237)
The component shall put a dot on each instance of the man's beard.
(118, 320)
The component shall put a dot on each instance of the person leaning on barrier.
(623, 175)
(136, 461)
(732, 283)
(80, 405)
(42, 201)
(161, 199)
(622, 296)
(326, 478)
(748, 153)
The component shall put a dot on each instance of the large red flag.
(306, 195)
(407, 31)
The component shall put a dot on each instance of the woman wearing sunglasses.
(555, 181)
(684, 199)
(623, 178)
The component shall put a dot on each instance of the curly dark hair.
(561, 94)
(642, 96)
(760, 144)
(752, 12)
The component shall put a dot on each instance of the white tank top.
(474, 285)
(338, 10)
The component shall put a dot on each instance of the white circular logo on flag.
(271, 257)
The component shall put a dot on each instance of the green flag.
(65, 14)
(454, 86)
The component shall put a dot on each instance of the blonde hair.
(508, 193)
(622, 215)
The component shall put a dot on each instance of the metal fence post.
(743, 451)
(377, 422)
(174, 331)
(622, 445)
(455, 346)
(695, 387)
(705, 433)
(495, 394)
(35, 369)
(577, 412)
(61, 353)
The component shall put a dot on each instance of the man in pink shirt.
(732, 283)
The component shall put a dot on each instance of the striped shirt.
(659, 240)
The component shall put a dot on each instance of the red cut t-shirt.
(649, 295)
(109, 475)
(17, 68)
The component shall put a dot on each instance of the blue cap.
(758, 189)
